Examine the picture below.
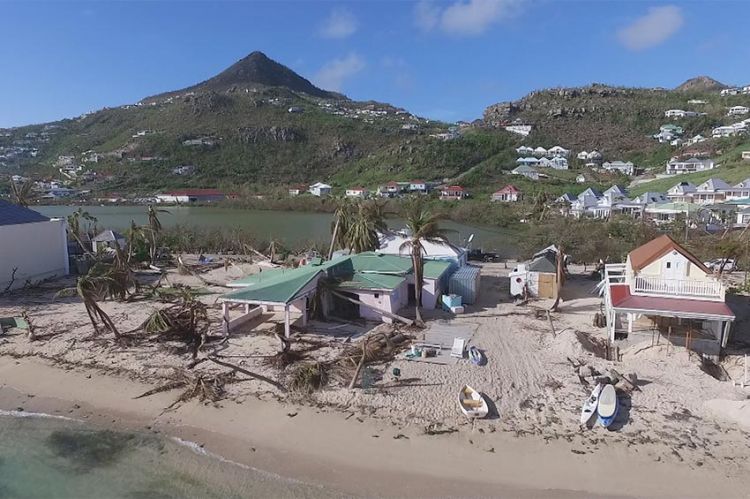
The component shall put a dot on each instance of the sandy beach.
(683, 433)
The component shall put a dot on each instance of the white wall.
(430, 291)
(389, 302)
(654, 269)
(39, 250)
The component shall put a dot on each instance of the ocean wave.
(198, 449)
(26, 414)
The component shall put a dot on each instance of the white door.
(672, 267)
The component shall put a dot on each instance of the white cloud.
(464, 17)
(333, 73)
(652, 29)
(340, 24)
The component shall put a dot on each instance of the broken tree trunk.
(253, 375)
(406, 321)
(360, 365)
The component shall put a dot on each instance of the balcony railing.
(656, 286)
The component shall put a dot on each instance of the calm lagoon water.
(46, 457)
(288, 226)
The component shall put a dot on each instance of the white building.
(320, 189)
(738, 110)
(663, 287)
(558, 151)
(626, 168)
(681, 193)
(692, 165)
(32, 244)
(357, 192)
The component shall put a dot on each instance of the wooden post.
(247, 308)
(287, 325)
(225, 318)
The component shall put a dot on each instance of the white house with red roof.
(419, 186)
(452, 192)
(508, 194)
(664, 289)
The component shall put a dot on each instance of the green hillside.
(258, 127)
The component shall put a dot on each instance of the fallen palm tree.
(186, 322)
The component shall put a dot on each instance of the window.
(377, 295)
(669, 265)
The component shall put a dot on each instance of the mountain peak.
(701, 84)
(257, 70)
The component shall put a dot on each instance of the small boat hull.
(472, 403)
(589, 409)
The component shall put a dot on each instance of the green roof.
(434, 269)
(738, 201)
(684, 207)
(368, 270)
(279, 290)
(372, 281)
(381, 263)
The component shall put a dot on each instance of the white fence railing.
(712, 290)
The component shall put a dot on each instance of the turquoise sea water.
(45, 457)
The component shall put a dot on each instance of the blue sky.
(440, 59)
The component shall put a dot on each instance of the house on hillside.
(558, 152)
(663, 287)
(559, 163)
(730, 91)
(711, 191)
(540, 152)
(729, 130)
(583, 155)
(191, 196)
(453, 192)
(738, 110)
(508, 194)
(357, 192)
(526, 171)
(681, 193)
(664, 213)
(580, 178)
(527, 161)
(680, 113)
(33, 247)
(525, 150)
(746, 155)
(418, 186)
(390, 190)
(620, 166)
(691, 165)
(320, 189)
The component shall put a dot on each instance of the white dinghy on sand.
(472, 403)
(588, 411)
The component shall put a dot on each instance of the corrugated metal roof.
(274, 290)
(12, 214)
(372, 281)
(434, 269)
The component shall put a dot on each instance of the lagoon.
(291, 227)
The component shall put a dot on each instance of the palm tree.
(423, 227)
(74, 226)
(134, 234)
(367, 222)
(21, 193)
(153, 228)
(342, 219)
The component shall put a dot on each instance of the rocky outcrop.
(254, 135)
(498, 114)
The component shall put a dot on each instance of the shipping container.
(465, 282)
